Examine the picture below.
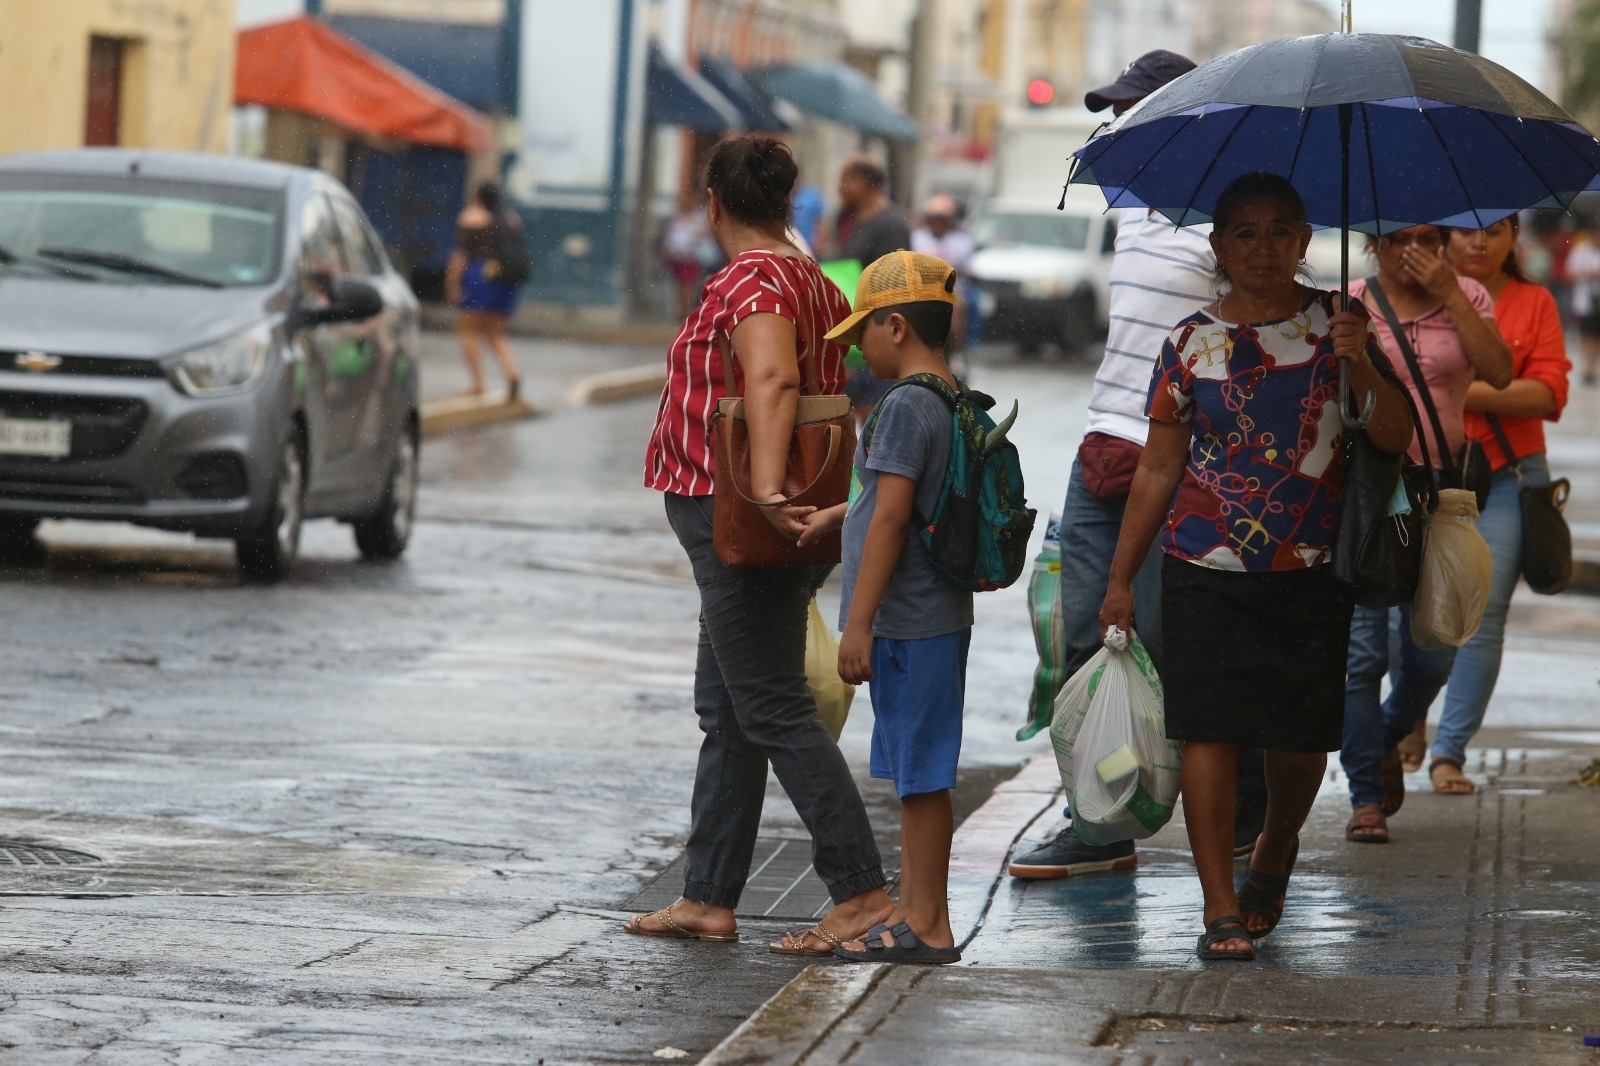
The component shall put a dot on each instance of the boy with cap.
(906, 628)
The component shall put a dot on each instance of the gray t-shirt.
(873, 238)
(912, 439)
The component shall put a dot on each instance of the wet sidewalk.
(1472, 939)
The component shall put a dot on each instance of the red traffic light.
(1040, 92)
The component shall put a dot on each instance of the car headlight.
(1048, 288)
(232, 364)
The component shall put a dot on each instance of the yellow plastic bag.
(833, 696)
(1457, 569)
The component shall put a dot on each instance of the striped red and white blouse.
(679, 458)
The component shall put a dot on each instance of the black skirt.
(1254, 659)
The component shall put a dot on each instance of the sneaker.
(1066, 856)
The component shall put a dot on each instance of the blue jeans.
(1478, 661)
(1089, 530)
(1380, 643)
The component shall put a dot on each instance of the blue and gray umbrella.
(1376, 132)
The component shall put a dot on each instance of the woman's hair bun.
(753, 177)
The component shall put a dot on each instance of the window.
(321, 249)
(1108, 235)
(365, 254)
(102, 122)
(1049, 231)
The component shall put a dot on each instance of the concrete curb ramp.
(791, 1025)
(464, 412)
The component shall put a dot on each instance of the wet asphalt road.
(499, 725)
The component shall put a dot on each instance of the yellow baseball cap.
(898, 278)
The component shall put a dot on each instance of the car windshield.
(128, 230)
(1049, 231)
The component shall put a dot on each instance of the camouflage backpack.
(978, 533)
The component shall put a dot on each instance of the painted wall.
(177, 80)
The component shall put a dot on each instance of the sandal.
(795, 943)
(1367, 826)
(672, 930)
(1448, 780)
(1392, 779)
(907, 947)
(1265, 894)
(1221, 930)
(1413, 749)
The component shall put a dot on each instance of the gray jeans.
(750, 693)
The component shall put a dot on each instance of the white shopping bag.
(1120, 771)
(1457, 570)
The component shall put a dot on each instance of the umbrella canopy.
(1435, 135)
(838, 92)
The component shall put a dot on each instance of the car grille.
(90, 365)
(68, 491)
(102, 427)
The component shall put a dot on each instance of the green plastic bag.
(1049, 637)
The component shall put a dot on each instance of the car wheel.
(268, 552)
(1079, 331)
(17, 542)
(386, 533)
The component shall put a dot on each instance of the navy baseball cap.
(1139, 79)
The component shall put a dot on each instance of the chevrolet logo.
(37, 362)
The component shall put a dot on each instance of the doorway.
(102, 124)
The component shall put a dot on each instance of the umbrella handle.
(1352, 418)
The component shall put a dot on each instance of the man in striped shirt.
(1160, 275)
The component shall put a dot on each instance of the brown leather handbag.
(821, 452)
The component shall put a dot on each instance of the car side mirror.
(348, 300)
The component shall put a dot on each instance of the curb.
(1585, 574)
(462, 412)
(616, 385)
(788, 1027)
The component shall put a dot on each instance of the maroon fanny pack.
(1107, 464)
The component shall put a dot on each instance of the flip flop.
(1413, 749)
(798, 942)
(1392, 779)
(1367, 826)
(908, 947)
(672, 930)
(1448, 780)
(1265, 894)
(1219, 930)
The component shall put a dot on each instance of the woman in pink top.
(1448, 322)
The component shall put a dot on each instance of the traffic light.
(1040, 93)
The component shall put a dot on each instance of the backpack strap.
(931, 382)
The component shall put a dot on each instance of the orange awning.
(303, 65)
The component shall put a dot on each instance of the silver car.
(204, 344)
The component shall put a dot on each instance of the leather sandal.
(907, 947)
(1413, 748)
(795, 943)
(1265, 894)
(1220, 931)
(671, 930)
(1367, 826)
(1448, 780)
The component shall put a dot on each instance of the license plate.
(50, 438)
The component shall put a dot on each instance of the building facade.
(108, 72)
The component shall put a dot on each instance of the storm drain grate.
(21, 853)
(782, 884)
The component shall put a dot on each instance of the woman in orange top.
(1528, 320)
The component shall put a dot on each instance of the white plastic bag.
(832, 694)
(1457, 569)
(1120, 771)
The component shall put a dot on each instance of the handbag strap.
(1510, 453)
(807, 356)
(1414, 365)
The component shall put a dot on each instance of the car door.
(367, 373)
(331, 351)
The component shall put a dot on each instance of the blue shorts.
(918, 693)
(480, 293)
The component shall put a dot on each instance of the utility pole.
(1469, 24)
(906, 156)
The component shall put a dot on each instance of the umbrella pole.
(1346, 118)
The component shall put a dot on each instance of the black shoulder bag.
(1379, 553)
(1546, 540)
(1471, 471)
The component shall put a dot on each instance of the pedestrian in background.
(484, 300)
(769, 309)
(1242, 468)
(943, 236)
(907, 628)
(1583, 275)
(807, 206)
(877, 227)
(1530, 324)
(683, 251)
(1447, 322)
(1160, 275)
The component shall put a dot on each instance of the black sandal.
(1219, 930)
(908, 947)
(1264, 894)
